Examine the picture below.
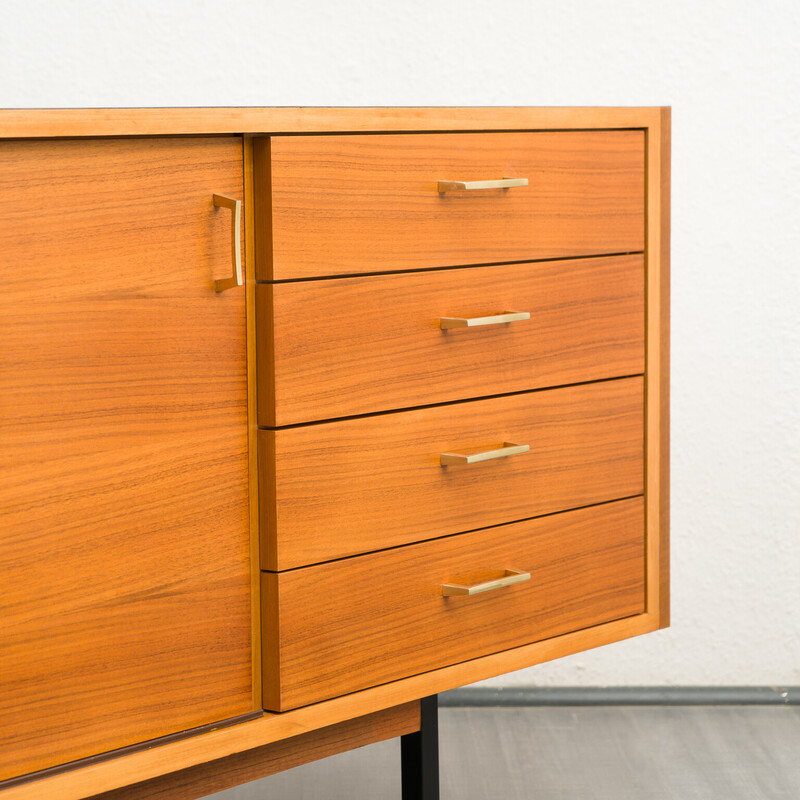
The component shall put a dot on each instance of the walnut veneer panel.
(338, 205)
(124, 548)
(364, 484)
(358, 345)
(338, 627)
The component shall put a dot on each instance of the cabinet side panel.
(657, 367)
(664, 299)
(124, 546)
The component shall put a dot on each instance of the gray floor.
(606, 753)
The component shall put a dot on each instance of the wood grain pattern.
(365, 484)
(124, 550)
(216, 776)
(367, 620)
(341, 205)
(168, 758)
(252, 416)
(162, 121)
(357, 345)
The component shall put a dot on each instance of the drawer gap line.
(458, 533)
(444, 269)
(446, 403)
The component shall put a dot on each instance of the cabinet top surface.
(51, 122)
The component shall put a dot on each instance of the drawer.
(335, 628)
(358, 345)
(335, 489)
(340, 205)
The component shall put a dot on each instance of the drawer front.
(358, 345)
(340, 488)
(375, 618)
(343, 205)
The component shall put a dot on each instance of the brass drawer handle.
(511, 577)
(508, 449)
(445, 323)
(468, 186)
(221, 201)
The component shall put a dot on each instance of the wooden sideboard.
(420, 441)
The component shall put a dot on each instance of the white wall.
(731, 71)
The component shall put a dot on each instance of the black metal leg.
(419, 754)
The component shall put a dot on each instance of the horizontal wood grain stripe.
(351, 346)
(49, 122)
(338, 627)
(359, 485)
(357, 204)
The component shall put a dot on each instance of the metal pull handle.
(468, 186)
(221, 201)
(445, 323)
(508, 449)
(511, 577)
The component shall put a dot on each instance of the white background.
(731, 71)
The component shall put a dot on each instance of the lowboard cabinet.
(310, 414)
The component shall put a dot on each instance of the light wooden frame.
(146, 764)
